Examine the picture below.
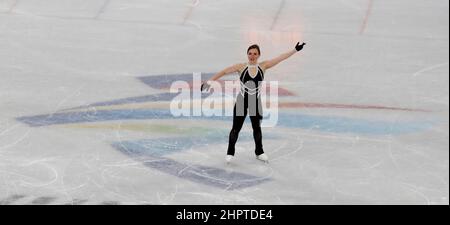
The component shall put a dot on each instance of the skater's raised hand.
(299, 46)
(205, 86)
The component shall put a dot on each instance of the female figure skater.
(251, 76)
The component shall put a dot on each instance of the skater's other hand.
(205, 86)
(299, 46)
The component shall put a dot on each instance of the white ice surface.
(60, 54)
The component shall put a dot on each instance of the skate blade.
(265, 161)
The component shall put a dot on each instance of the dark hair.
(254, 47)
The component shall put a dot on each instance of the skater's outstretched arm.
(273, 62)
(231, 69)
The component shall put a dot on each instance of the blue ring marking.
(161, 97)
(321, 123)
(151, 152)
(160, 81)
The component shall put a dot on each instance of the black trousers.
(238, 121)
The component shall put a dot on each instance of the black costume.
(248, 101)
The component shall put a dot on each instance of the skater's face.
(253, 55)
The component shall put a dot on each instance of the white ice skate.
(263, 157)
(228, 158)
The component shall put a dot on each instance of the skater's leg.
(257, 134)
(238, 121)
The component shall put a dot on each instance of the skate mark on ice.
(102, 9)
(369, 9)
(429, 68)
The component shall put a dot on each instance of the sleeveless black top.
(250, 85)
